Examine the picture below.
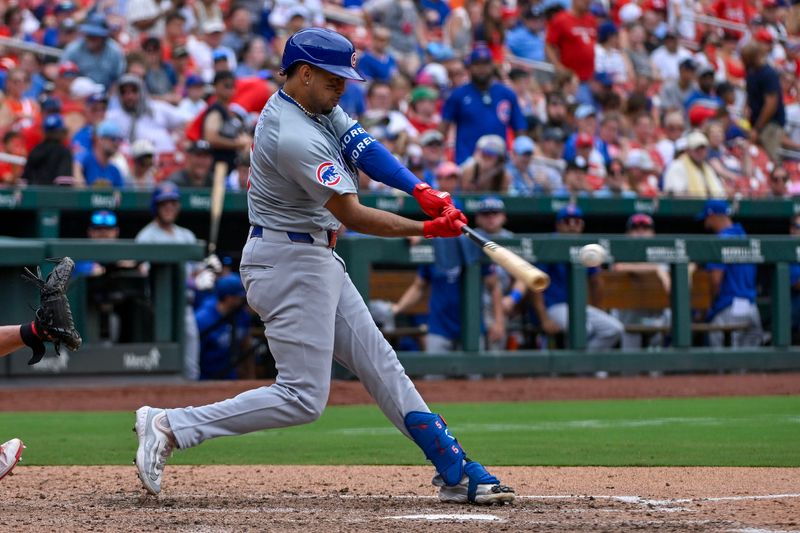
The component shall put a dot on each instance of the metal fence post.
(681, 302)
(578, 299)
(781, 306)
(471, 311)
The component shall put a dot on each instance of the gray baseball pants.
(312, 314)
(603, 331)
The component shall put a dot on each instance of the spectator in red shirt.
(571, 37)
(740, 11)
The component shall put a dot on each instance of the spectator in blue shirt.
(223, 323)
(732, 284)
(765, 100)
(794, 281)
(98, 57)
(377, 63)
(481, 107)
(603, 331)
(96, 107)
(526, 40)
(94, 167)
(704, 92)
(523, 177)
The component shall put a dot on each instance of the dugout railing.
(772, 252)
(57, 212)
(158, 346)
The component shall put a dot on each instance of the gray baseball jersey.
(311, 310)
(296, 166)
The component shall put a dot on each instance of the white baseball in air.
(592, 255)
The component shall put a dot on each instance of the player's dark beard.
(481, 80)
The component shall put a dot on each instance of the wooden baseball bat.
(517, 267)
(217, 199)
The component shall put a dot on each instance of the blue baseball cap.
(491, 204)
(103, 219)
(51, 104)
(605, 31)
(193, 80)
(219, 55)
(230, 285)
(585, 110)
(714, 207)
(480, 53)
(53, 123)
(523, 145)
(109, 129)
(570, 211)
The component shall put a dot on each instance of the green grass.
(751, 431)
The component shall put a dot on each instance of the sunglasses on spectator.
(780, 177)
(572, 220)
(128, 89)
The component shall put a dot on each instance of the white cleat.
(155, 446)
(489, 492)
(10, 454)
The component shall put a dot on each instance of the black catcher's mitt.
(53, 320)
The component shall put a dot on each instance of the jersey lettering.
(328, 175)
(355, 141)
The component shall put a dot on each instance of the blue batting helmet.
(164, 192)
(323, 48)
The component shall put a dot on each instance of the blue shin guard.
(430, 432)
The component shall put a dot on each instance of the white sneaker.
(10, 454)
(155, 446)
(487, 489)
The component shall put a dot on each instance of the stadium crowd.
(589, 97)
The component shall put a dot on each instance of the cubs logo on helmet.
(323, 48)
(328, 175)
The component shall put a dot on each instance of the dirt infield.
(391, 499)
(398, 499)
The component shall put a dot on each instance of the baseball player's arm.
(370, 156)
(414, 293)
(715, 281)
(349, 211)
(548, 325)
(498, 329)
(10, 339)
(595, 290)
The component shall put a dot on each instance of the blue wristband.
(516, 296)
(366, 153)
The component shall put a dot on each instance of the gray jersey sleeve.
(341, 121)
(315, 165)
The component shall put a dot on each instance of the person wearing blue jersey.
(481, 107)
(603, 331)
(377, 63)
(94, 167)
(794, 282)
(732, 284)
(223, 323)
(444, 279)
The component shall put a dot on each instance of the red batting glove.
(432, 202)
(447, 225)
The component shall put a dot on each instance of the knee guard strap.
(430, 432)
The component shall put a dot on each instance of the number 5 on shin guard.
(430, 432)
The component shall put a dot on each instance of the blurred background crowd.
(607, 98)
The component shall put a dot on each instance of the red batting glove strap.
(447, 225)
(431, 201)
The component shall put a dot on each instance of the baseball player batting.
(303, 184)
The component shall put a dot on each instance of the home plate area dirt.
(400, 499)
